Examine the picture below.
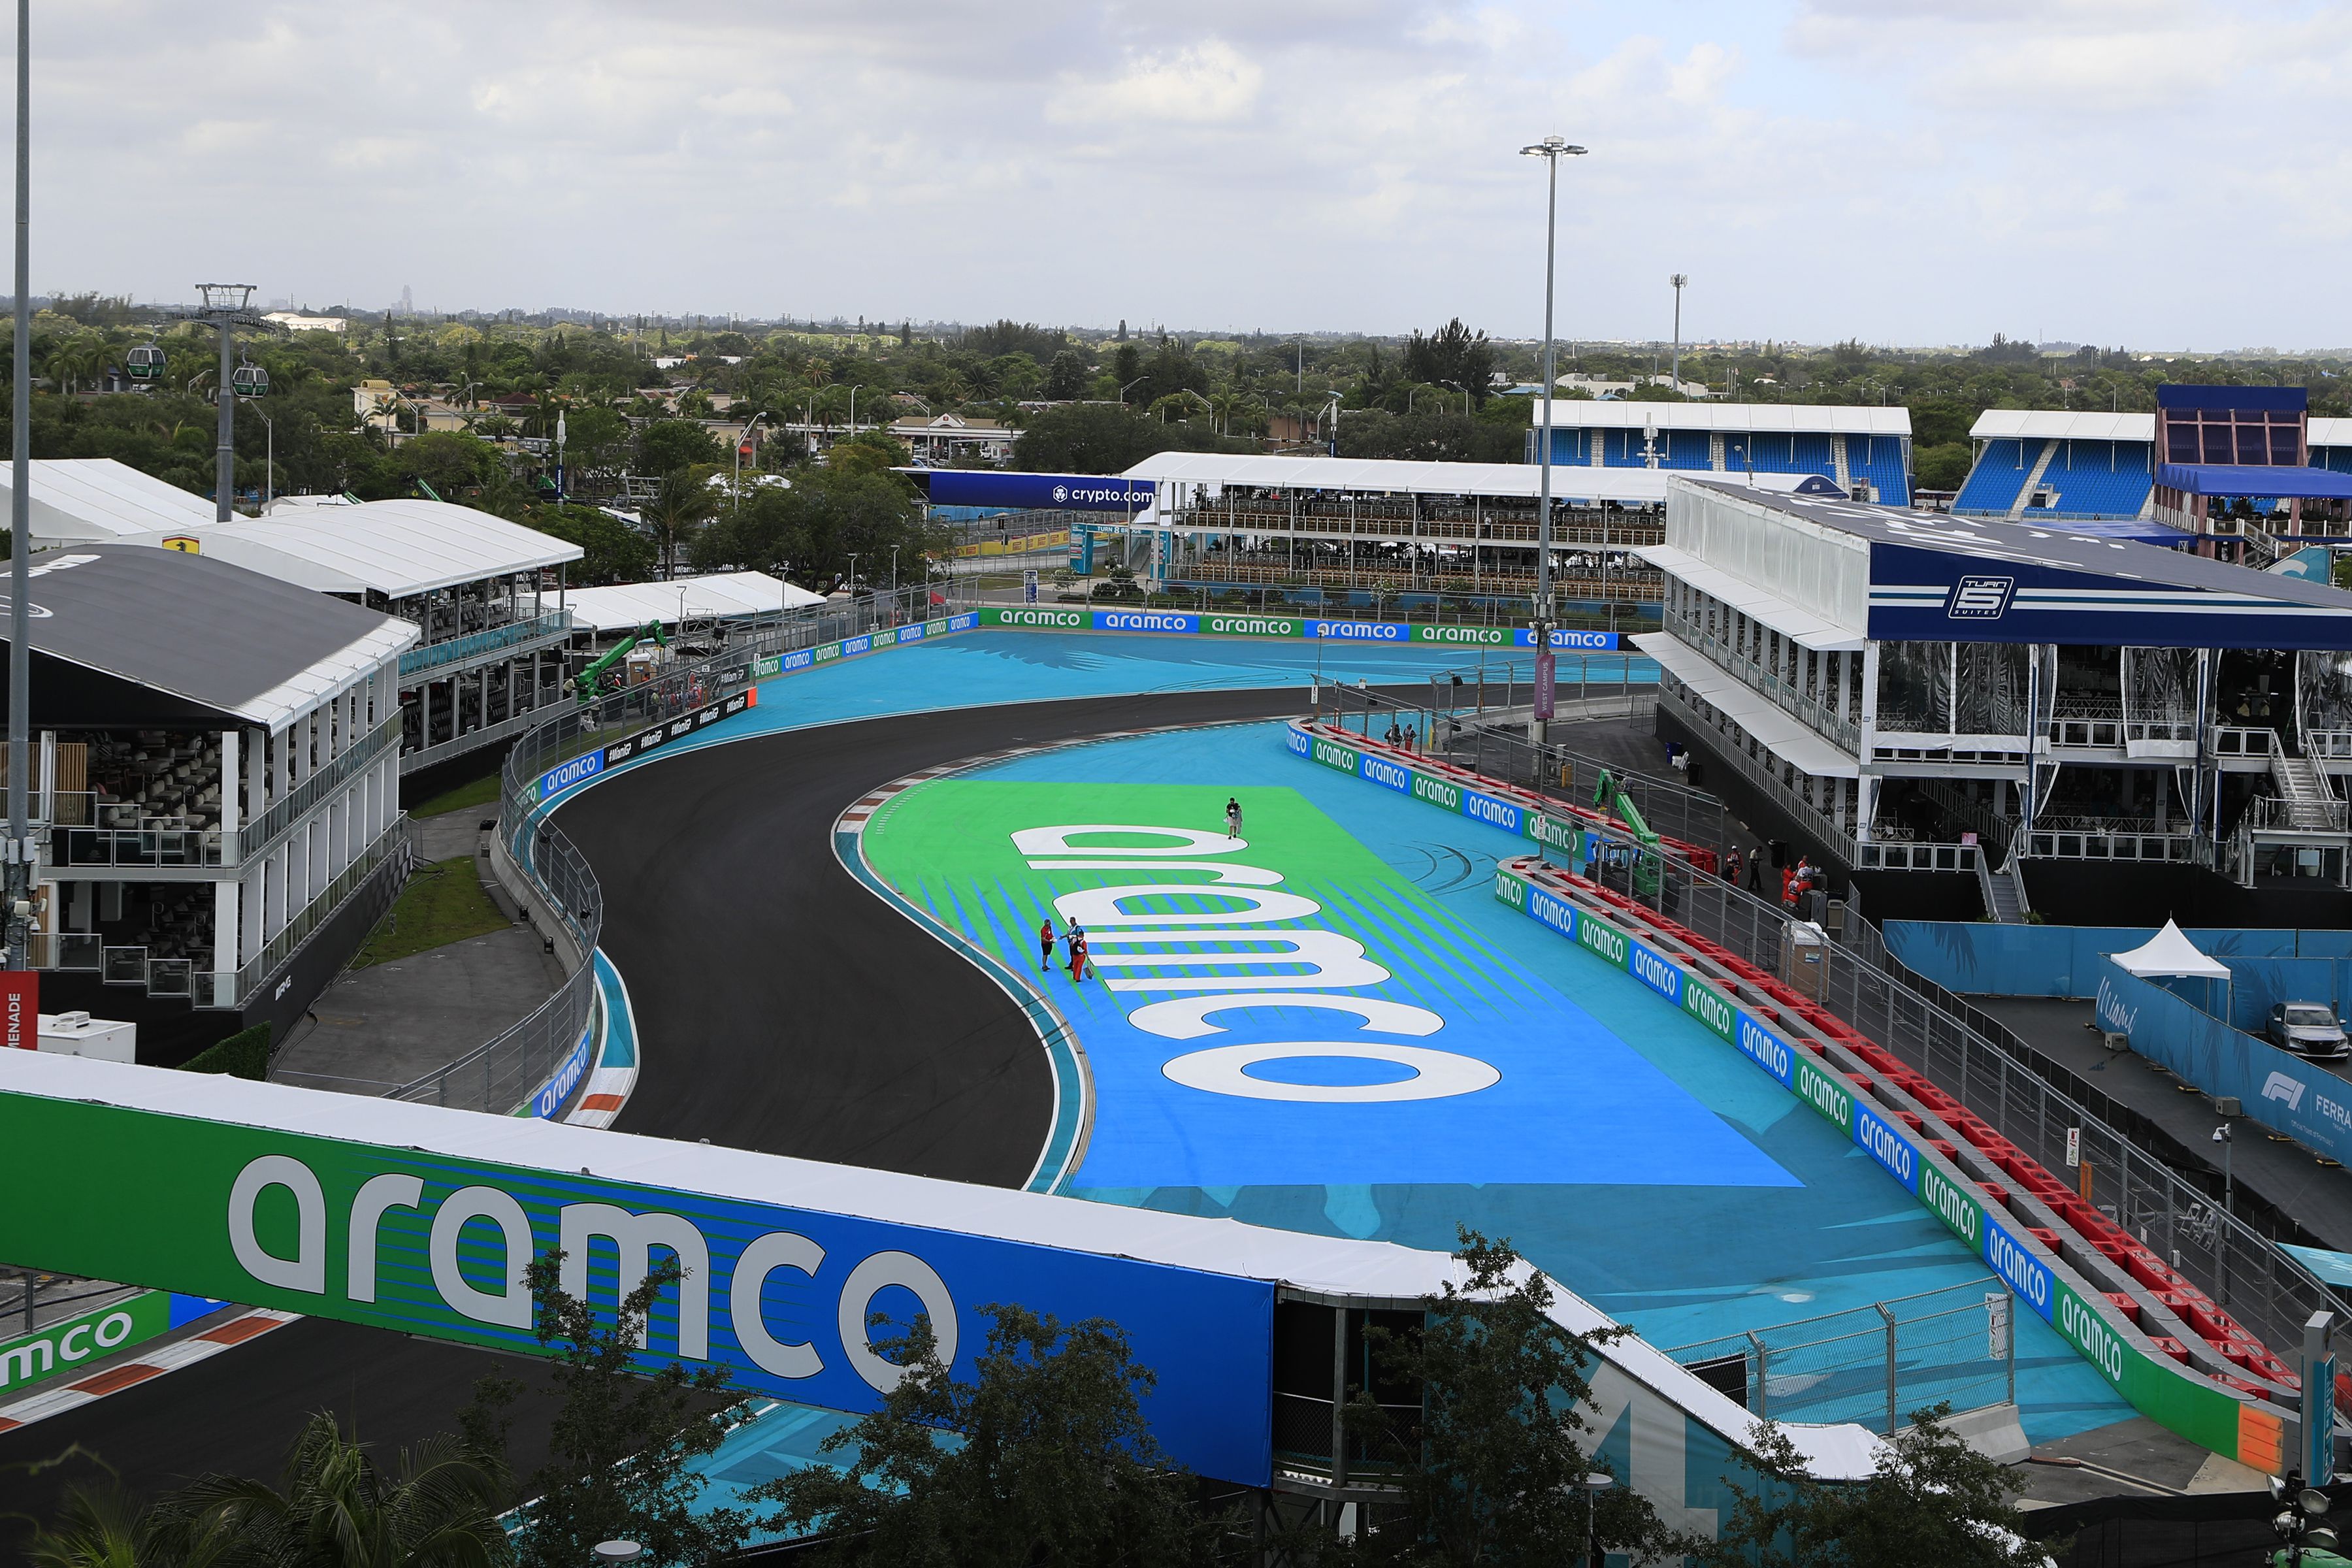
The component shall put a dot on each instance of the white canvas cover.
(2170, 953)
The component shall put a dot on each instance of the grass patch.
(483, 791)
(444, 902)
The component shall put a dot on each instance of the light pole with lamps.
(1592, 1486)
(1552, 148)
(20, 848)
(1676, 371)
(1139, 381)
(743, 441)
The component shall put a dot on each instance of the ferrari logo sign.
(186, 544)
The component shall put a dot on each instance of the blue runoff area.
(992, 669)
(1684, 1261)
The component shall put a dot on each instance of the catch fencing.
(1459, 724)
(1878, 1365)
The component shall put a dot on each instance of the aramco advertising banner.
(430, 1243)
(1278, 624)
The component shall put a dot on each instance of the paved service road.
(780, 1006)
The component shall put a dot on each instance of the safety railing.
(1676, 697)
(2244, 743)
(473, 645)
(501, 1074)
(373, 879)
(1812, 712)
(2160, 1192)
(2271, 814)
(1452, 728)
(1876, 1365)
(256, 838)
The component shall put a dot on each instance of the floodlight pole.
(1552, 148)
(1678, 279)
(20, 543)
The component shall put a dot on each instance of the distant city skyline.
(1925, 174)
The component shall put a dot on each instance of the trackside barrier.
(1225, 624)
(420, 1219)
(533, 1067)
(69, 1343)
(2146, 1368)
(2086, 1317)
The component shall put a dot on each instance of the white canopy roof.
(1397, 476)
(1773, 726)
(395, 548)
(1808, 628)
(92, 500)
(2050, 424)
(2170, 952)
(1794, 418)
(629, 604)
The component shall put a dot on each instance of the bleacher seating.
(2094, 478)
(1878, 461)
(2335, 460)
(1999, 473)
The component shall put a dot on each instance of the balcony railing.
(317, 787)
(473, 645)
(1812, 712)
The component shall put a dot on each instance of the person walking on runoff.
(1074, 939)
(1233, 817)
(1046, 945)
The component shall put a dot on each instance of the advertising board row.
(295, 1207)
(72, 1342)
(2179, 1400)
(589, 764)
(1218, 622)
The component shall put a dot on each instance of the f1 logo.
(1979, 598)
(2278, 1086)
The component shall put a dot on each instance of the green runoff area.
(444, 902)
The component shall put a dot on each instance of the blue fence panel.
(2282, 1092)
(2066, 961)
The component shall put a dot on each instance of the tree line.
(1040, 1458)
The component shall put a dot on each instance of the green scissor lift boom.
(1614, 801)
(587, 688)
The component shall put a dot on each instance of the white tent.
(2171, 954)
(721, 596)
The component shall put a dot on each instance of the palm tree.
(680, 507)
(339, 1511)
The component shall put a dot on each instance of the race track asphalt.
(780, 1006)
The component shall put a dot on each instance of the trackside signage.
(1333, 755)
(424, 1241)
(1437, 792)
(678, 728)
(1492, 811)
(1889, 1148)
(1036, 616)
(62, 1347)
(1603, 940)
(1654, 971)
(2183, 1404)
(1249, 626)
(1380, 771)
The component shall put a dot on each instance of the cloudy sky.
(2156, 173)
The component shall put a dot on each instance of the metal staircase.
(2004, 890)
(2025, 490)
(2310, 798)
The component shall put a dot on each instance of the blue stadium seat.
(1999, 474)
(2096, 478)
(1878, 461)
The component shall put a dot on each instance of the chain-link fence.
(1461, 722)
(2176, 1213)
(1878, 1365)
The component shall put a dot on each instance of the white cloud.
(1906, 170)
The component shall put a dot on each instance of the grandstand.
(1865, 451)
(2050, 463)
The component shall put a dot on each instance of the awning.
(2286, 481)
(1773, 726)
(1800, 625)
(2171, 954)
(625, 606)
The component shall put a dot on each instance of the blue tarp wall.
(2164, 1019)
(2282, 1092)
(2064, 961)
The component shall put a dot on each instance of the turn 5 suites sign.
(283, 1197)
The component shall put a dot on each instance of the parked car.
(2308, 1030)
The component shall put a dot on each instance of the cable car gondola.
(250, 380)
(144, 363)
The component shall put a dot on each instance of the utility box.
(80, 1035)
(1803, 947)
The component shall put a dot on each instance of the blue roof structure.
(2282, 481)
(1940, 578)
